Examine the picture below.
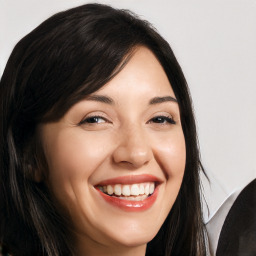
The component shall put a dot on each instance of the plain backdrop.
(215, 44)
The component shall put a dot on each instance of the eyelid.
(91, 115)
(168, 117)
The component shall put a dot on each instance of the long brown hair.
(67, 57)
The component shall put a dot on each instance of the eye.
(94, 120)
(162, 120)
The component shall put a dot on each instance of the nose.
(133, 148)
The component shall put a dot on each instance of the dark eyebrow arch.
(100, 98)
(157, 100)
(107, 100)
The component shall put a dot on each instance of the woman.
(99, 151)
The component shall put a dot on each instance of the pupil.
(93, 120)
(158, 119)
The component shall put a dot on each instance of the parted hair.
(69, 56)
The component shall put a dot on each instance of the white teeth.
(141, 189)
(146, 191)
(126, 190)
(110, 189)
(151, 188)
(117, 190)
(135, 191)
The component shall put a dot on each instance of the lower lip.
(131, 206)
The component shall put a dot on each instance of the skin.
(125, 140)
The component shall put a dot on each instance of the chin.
(133, 238)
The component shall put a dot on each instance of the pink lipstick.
(130, 193)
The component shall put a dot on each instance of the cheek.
(72, 158)
(171, 155)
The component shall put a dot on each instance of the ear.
(38, 176)
(35, 161)
(34, 173)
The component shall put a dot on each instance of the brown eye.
(162, 120)
(93, 120)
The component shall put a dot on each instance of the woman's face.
(117, 158)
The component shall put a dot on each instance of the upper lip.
(130, 179)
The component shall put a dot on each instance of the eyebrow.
(157, 100)
(100, 98)
(108, 100)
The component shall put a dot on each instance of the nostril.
(132, 157)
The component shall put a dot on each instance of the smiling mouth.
(131, 192)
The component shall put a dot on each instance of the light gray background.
(215, 43)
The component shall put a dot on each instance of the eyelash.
(86, 120)
(163, 121)
(166, 119)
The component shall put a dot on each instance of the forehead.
(142, 75)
